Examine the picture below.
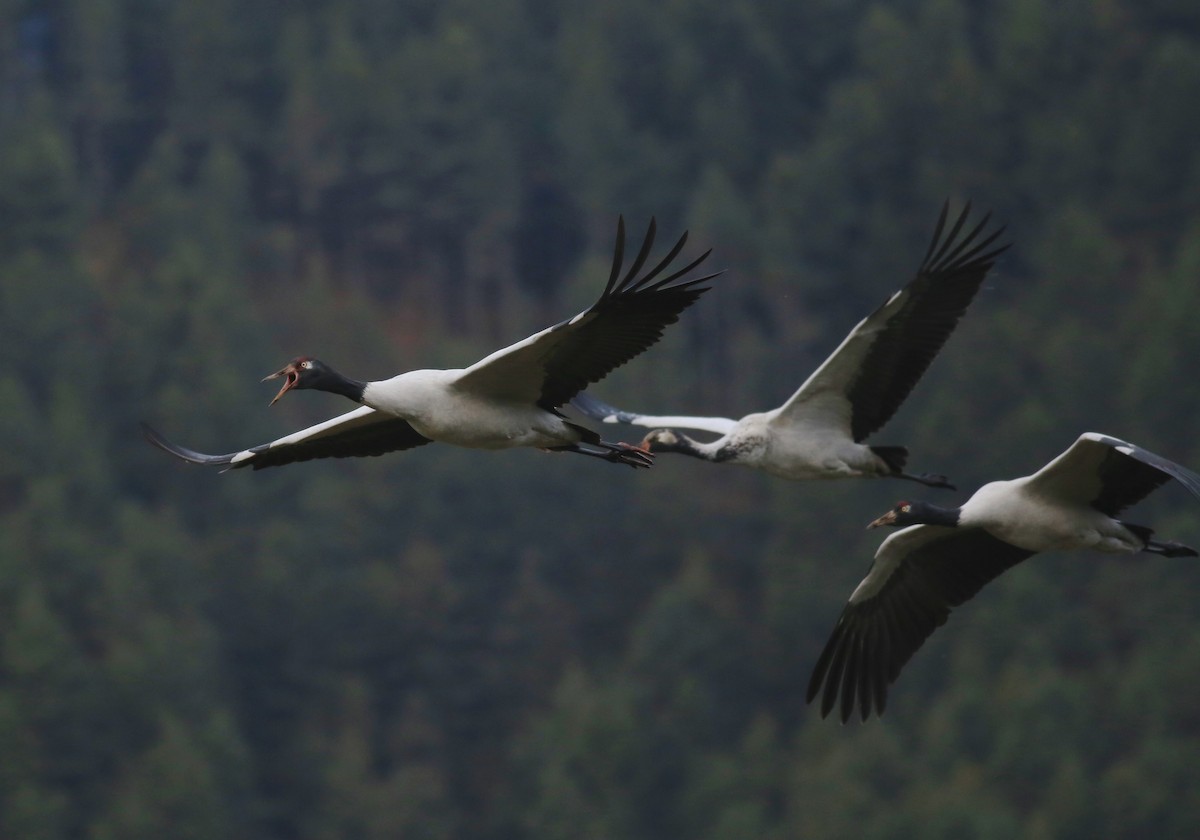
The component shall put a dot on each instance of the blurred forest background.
(456, 644)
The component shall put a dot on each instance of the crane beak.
(888, 518)
(292, 375)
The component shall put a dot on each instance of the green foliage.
(188, 784)
(452, 644)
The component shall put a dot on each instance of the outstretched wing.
(356, 434)
(919, 574)
(871, 373)
(605, 413)
(554, 365)
(1108, 473)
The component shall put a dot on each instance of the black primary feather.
(881, 634)
(638, 305)
(378, 438)
(945, 284)
(1130, 473)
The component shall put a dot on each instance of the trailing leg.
(895, 457)
(1163, 547)
(617, 453)
(928, 479)
(1171, 549)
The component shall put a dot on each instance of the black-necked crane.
(818, 432)
(510, 398)
(949, 554)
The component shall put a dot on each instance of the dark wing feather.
(362, 433)
(1129, 473)
(554, 365)
(628, 319)
(945, 285)
(919, 575)
(1108, 473)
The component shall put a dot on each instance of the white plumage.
(947, 555)
(510, 398)
(818, 432)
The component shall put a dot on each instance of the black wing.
(919, 574)
(1109, 474)
(885, 356)
(556, 364)
(360, 433)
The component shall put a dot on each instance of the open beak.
(887, 519)
(292, 375)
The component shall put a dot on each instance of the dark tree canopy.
(473, 645)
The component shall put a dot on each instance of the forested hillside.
(456, 644)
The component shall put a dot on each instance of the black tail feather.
(894, 456)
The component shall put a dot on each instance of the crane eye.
(306, 364)
(905, 508)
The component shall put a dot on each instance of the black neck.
(929, 514)
(335, 383)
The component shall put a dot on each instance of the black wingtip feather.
(973, 255)
(618, 258)
(821, 669)
(937, 232)
(968, 239)
(965, 252)
(850, 674)
(666, 280)
(640, 259)
(833, 677)
(949, 240)
(688, 284)
(882, 679)
(631, 283)
(945, 285)
(627, 319)
(866, 669)
(664, 262)
(874, 639)
(1129, 486)
(183, 453)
